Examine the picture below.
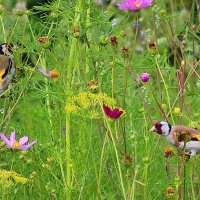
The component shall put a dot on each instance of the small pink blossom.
(12, 143)
(134, 4)
(144, 77)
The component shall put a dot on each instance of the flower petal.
(44, 72)
(123, 6)
(107, 110)
(25, 147)
(113, 114)
(116, 113)
(12, 137)
(146, 3)
(6, 140)
(134, 4)
(23, 140)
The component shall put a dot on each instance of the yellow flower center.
(16, 145)
(137, 5)
(53, 73)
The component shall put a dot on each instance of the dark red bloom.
(113, 40)
(113, 114)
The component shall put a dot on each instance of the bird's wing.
(184, 133)
(4, 64)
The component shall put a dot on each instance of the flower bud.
(44, 41)
(144, 77)
(113, 41)
(103, 40)
(76, 32)
(124, 52)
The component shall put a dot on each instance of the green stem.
(117, 157)
(167, 93)
(68, 158)
(14, 28)
(3, 28)
(146, 137)
(87, 23)
(43, 64)
(101, 161)
(32, 33)
(133, 187)
(68, 184)
(192, 181)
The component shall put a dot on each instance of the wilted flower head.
(134, 4)
(144, 77)
(93, 86)
(113, 113)
(43, 40)
(113, 40)
(170, 191)
(50, 74)
(124, 52)
(168, 151)
(127, 160)
(152, 44)
(76, 32)
(12, 143)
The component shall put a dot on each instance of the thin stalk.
(182, 90)
(167, 93)
(100, 169)
(13, 30)
(146, 137)
(68, 158)
(68, 184)
(88, 23)
(3, 28)
(192, 181)
(113, 80)
(132, 194)
(29, 24)
(43, 64)
(117, 157)
(125, 82)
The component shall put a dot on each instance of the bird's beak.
(153, 129)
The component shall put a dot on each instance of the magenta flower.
(144, 77)
(12, 143)
(134, 4)
(113, 114)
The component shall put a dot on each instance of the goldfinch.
(179, 136)
(7, 66)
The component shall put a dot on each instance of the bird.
(181, 137)
(7, 66)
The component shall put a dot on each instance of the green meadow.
(79, 92)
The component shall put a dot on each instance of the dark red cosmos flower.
(113, 114)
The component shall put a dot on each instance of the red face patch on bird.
(158, 127)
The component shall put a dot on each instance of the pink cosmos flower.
(144, 77)
(113, 114)
(134, 4)
(12, 143)
(50, 74)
